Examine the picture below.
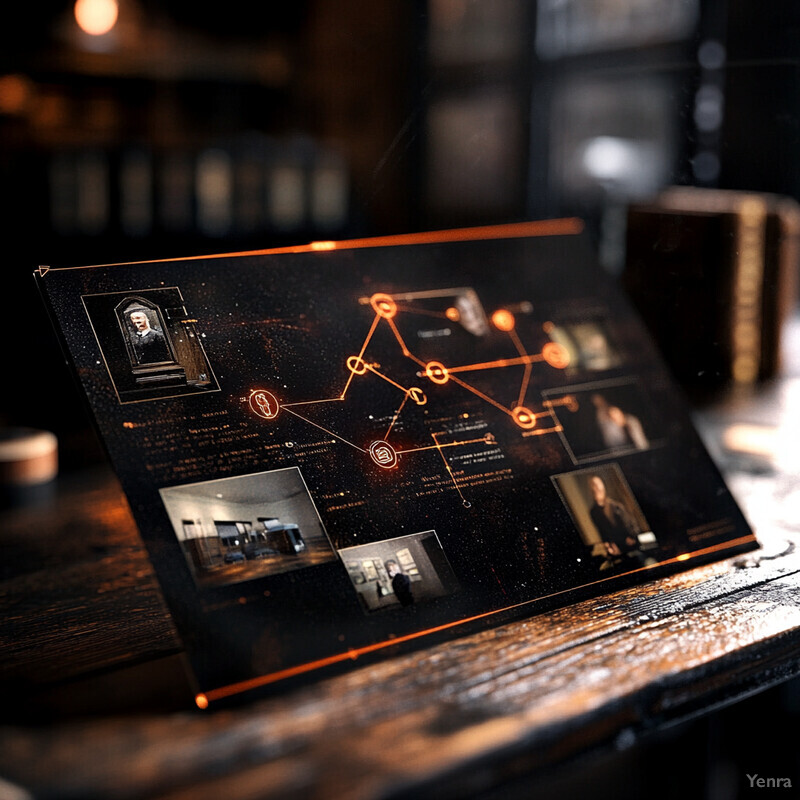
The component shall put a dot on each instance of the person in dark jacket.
(401, 583)
(617, 528)
(149, 343)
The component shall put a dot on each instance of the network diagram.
(432, 374)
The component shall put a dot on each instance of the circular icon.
(556, 355)
(264, 403)
(356, 365)
(524, 417)
(383, 454)
(503, 320)
(383, 305)
(437, 372)
(453, 314)
(417, 395)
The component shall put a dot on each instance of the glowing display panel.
(336, 452)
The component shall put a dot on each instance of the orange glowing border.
(555, 227)
(568, 226)
(204, 699)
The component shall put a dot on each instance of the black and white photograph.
(151, 346)
(238, 529)
(399, 572)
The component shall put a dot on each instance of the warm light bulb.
(96, 17)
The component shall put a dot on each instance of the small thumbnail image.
(399, 572)
(238, 529)
(589, 344)
(603, 418)
(609, 520)
(150, 344)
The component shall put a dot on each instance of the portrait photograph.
(604, 418)
(151, 346)
(609, 521)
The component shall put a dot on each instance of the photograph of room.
(399, 572)
(238, 529)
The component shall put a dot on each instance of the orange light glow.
(417, 395)
(354, 653)
(453, 314)
(437, 372)
(15, 93)
(556, 355)
(356, 365)
(201, 700)
(96, 17)
(264, 403)
(318, 246)
(524, 417)
(503, 320)
(383, 305)
(383, 454)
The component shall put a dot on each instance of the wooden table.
(96, 706)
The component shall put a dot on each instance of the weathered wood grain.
(443, 722)
(82, 613)
(77, 591)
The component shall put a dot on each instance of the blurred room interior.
(137, 130)
(182, 131)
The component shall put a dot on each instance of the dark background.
(192, 129)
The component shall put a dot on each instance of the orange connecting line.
(382, 453)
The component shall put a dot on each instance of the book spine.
(748, 280)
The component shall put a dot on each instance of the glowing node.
(556, 355)
(383, 454)
(383, 305)
(548, 327)
(417, 395)
(467, 504)
(264, 403)
(524, 417)
(201, 700)
(96, 17)
(356, 365)
(437, 372)
(503, 320)
(453, 314)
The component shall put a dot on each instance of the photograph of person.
(618, 428)
(399, 572)
(238, 529)
(401, 583)
(608, 517)
(603, 418)
(150, 344)
(147, 340)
